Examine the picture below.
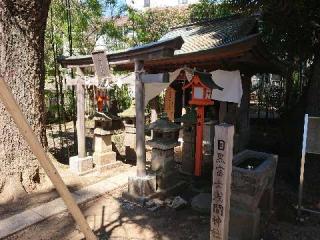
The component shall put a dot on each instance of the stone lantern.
(189, 120)
(165, 138)
(103, 155)
(129, 121)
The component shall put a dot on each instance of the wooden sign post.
(221, 184)
(35, 146)
(101, 66)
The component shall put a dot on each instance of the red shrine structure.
(202, 86)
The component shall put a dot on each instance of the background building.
(142, 4)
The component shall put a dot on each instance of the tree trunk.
(313, 104)
(22, 28)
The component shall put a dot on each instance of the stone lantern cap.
(130, 112)
(103, 122)
(189, 117)
(163, 124)
(165, 133)
(100, 116)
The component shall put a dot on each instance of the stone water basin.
(252, 173)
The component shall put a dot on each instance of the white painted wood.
(221, 187)
(35, 146)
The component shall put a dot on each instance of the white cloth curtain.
(154, 89)
(229, 80)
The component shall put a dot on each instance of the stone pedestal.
(163, 166)
(244, 224)
(208, 139)
(81, 165)
(253, 176)
(164, 139)
(140, 188)
(130, 142)
(103, 155)
(189, 143)
(188, 148)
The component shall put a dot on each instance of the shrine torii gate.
(138, 56)
(156, 50)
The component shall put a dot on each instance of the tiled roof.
(212, 34)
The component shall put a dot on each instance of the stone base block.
(244, 225)
(188, 153)
(102, 143)
(162, 159)
(166, 180)
(101, 159)
(207, 164)
(130, 139)
(106, 168)
(141, 187)
(80, 165)
(266, 202)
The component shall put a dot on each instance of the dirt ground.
(46, 192)
(114, 218)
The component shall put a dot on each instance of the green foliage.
(290, 27)
(87, 25)
(120, 96)
(291, 31)
(209, 9)
(69, 104)
(150, 25)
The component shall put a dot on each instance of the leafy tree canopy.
(290, 27)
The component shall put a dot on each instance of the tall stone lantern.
(103, 155)
(189, 120)
(129, 121)
(165, 138)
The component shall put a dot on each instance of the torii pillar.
(141, 185)
(81, 163)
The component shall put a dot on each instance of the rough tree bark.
(22, 28)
